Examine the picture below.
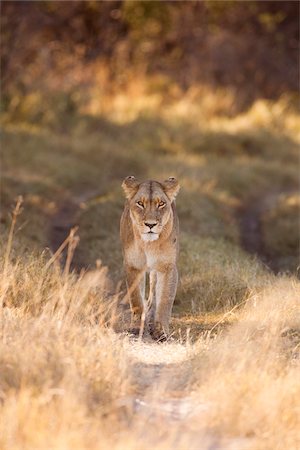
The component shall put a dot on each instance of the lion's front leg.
(151, 303)
(166, 286)
(135, 279)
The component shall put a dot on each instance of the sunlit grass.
(251, 372)
(69, 380)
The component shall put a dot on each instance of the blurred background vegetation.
(61, 58)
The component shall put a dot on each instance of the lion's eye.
(140, 204)
(161, 204)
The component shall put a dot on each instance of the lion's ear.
(171, 188)
(130, 186)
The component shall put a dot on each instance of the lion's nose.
(150, 224)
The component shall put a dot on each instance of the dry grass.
(67, 380)
(251, 379)
(229, 377)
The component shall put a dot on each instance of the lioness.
(149, 234)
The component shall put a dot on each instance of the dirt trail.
(249, 217)
(66, 218)
(163, 377)
(251, 232)
(162, 374)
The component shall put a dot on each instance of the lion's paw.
(157, 333)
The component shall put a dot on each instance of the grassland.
(228, 379)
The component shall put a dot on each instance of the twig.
(16, 212)
(73, 242)
(60, 249)
(227, 314)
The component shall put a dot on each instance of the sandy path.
(165, 406)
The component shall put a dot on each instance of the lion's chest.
(151, 260)
(144, 259)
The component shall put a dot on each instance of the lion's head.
(150, 204)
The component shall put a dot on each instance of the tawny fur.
(149, 234)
